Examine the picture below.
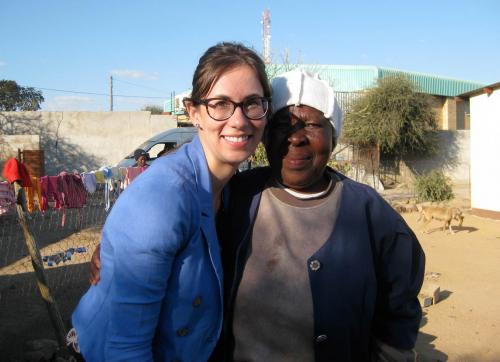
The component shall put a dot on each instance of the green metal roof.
(349, 80)
(355, 78)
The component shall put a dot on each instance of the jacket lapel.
(204, 193)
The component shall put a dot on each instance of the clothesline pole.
(41, 279)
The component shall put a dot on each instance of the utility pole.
(111, 93)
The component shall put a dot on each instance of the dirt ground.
(463, 326)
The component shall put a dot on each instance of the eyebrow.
(222, 96)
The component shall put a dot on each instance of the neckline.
(306, 196)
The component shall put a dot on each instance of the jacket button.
(314, 265)
(321, 338)
(197, 301)
(181, 332)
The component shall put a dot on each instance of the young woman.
(160, 290)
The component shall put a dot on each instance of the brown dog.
(446, 214)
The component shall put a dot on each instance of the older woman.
(318, 267)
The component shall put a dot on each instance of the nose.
(238, 119)
(297, 136)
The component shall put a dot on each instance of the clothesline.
(64, 191)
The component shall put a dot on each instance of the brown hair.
(221, 58)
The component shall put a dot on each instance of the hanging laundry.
(33, 195)
(99, 176)
(73, 191)
(7, 198)
(89, 181)
(108, 186)
(13, 170)
(49, 187)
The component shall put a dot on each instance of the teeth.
(236, 139)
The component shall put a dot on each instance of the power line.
(98, 94)
(137, 85)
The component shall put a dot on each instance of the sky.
(70, 48)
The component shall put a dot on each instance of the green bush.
(259, 157)
(342, 167)
(434, 186)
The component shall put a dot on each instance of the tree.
(154, 109)
(393, 116)
(13, 97)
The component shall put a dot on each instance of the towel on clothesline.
(13, 170)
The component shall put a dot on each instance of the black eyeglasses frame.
(205, 102)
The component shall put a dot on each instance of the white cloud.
(135, 74)
(69, 103)
(2, 63)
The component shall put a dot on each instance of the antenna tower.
(266, 36)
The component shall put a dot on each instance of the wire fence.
(66, 243)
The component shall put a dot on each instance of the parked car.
(169, 139)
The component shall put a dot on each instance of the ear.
(192, 111)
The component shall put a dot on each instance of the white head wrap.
(300, 87)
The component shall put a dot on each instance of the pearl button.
(321, 338)
(314, 265)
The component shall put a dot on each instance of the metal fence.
(66, 248)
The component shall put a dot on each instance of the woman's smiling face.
(230, 142)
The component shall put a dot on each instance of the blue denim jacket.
(160, 294)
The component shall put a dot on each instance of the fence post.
(41, 280)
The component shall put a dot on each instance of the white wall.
(85, 140)
(453, 157)
(485, 151)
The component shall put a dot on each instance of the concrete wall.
(84, 140)
(9, 146)
(453, 158)
(485, 165)
(450, 112)
(437, 104)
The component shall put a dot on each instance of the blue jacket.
(160, 294)
(372, 268)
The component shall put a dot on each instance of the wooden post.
(41, 280)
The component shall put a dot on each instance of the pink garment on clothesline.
(49, 186)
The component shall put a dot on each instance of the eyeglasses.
(221, 109)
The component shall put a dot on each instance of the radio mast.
(266, 36)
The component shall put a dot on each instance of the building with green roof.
(349, 81)
(356, 78)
